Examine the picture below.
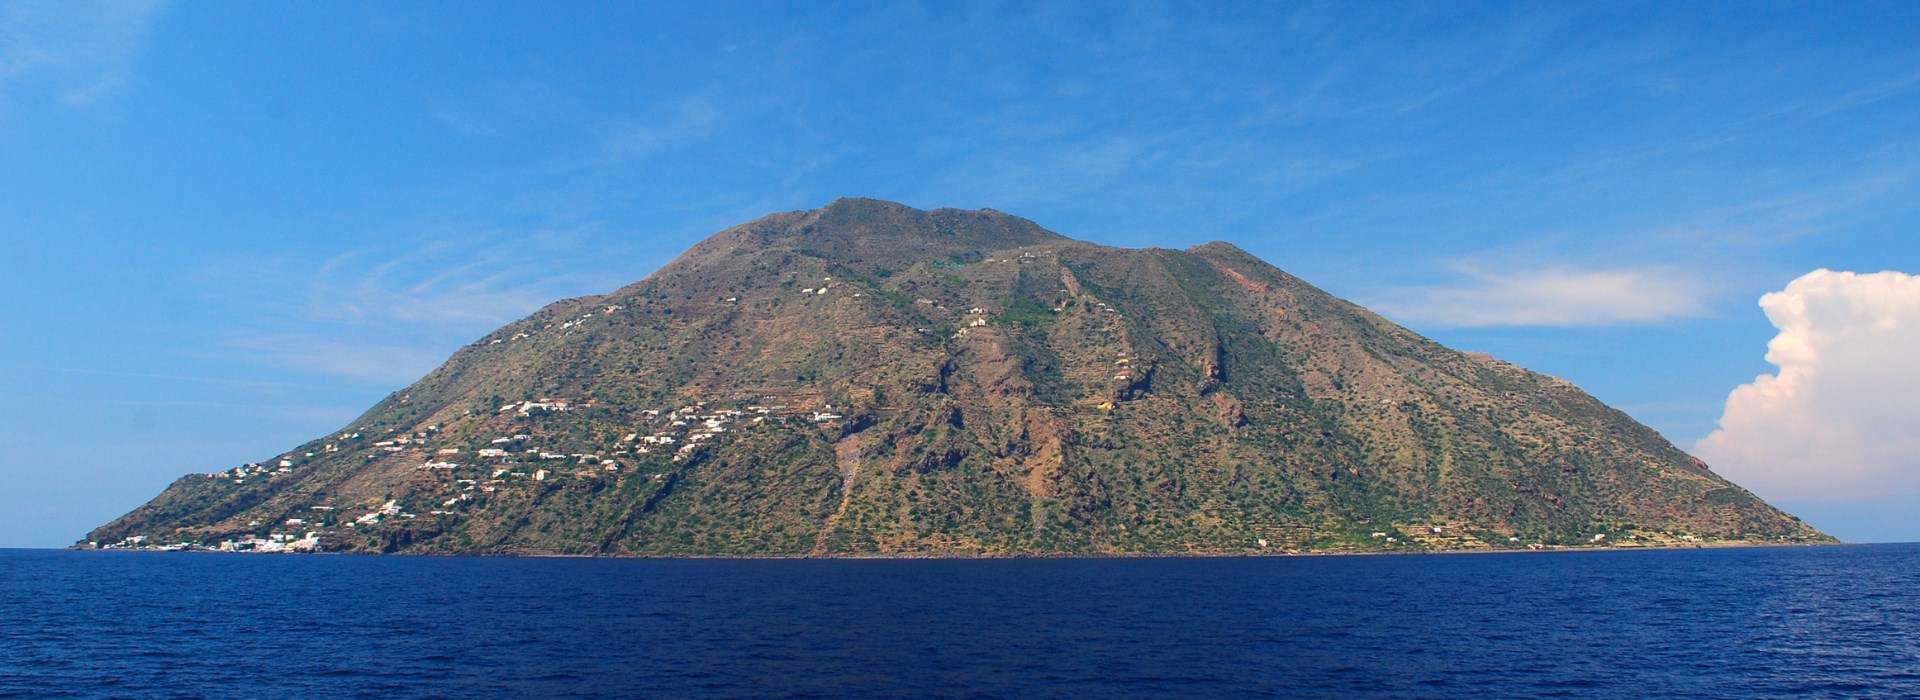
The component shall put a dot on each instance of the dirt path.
(846, 455)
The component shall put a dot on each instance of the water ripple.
(1791, 622)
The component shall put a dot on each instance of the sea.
(1775, 622)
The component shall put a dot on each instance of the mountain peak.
(874, 230)
(868, 377)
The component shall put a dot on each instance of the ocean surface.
(1728, 623)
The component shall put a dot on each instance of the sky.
(226, 228)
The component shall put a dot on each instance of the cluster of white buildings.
(678, 432)
(390, 509)
(273, 544)
(277, 542)
(564, 325)
(543, 405)
(684, 429)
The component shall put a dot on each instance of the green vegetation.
(872, 379)
(1026, 312)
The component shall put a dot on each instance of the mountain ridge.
(869, 378)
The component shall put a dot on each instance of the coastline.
(963, 556)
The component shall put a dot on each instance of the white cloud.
(364, 361)
(686, 120)
(1840, 420)
(467, 280)
(84, 50)
(436, 285)
(1549, 297)
(387, 314)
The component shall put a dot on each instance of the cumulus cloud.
(1549, 297)
(1839, 420)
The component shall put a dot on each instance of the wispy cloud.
(388, 314)
(1861, 96)
(366, 361)
(182, 378)
(82, 51)
(1032, 172)
(1790, 215)
(1556, 296)
(685, 120)
(506, 110)
(422, 287)
(462, 279)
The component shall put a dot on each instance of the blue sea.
(1789, 622)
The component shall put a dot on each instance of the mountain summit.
(869, 378)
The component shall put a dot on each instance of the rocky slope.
(868, 378)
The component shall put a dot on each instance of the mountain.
(868, 378)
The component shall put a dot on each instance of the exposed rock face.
(867, 378)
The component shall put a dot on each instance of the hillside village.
(868, 378)
(469, 472)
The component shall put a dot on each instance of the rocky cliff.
(868, 378)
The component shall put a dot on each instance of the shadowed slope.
(871, 378)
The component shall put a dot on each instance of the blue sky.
(226, 228)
